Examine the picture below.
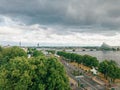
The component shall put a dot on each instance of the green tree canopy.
(37, 53)
(38, 73)
(51, 51)
(109, 69)
(11, 52)
(85, 59)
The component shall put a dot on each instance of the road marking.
(89, 84)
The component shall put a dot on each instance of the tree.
(11, 52)
(90, 61)
(31, 50)
(87, 60)
(37, 73)
(110, 69)
(57, 79)
(1, 49)
(103, 68)
(51, 51)
(113, 71)
(37, 53)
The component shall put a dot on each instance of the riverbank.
(99, 78)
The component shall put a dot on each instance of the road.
(86, 80)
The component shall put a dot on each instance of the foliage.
(109, 69)
(85, 59)
(51, 51)
(11, 52)
(34, 74)
(90, 61)
(37, 53)
(31, 50)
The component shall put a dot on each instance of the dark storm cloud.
(83, 15)
(35, 11)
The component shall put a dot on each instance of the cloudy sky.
(60, 22)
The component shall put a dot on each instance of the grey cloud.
(82, 15)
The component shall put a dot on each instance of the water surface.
(103, 55)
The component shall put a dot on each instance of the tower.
(20, 44)
(38, 45)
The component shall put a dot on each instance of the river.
(103, 55)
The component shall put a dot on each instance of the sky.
(60, 22)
